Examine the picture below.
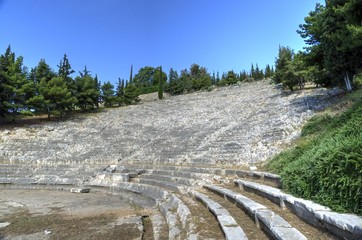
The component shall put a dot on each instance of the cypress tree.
(98, 90)
(160, 91)
(131, 75)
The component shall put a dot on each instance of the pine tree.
(88, 90)
(64, 71)
(120, 91)
(231, 78)
(108, 94)
(252, 71)
(268, 74)
(12, 81)
(217, 78)
(57, 96)
(97, 93)
(131, 94)
(213, 79)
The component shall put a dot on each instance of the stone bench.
(269, 177)
(169, 178)
(168, 203)
(265, 219)
(108, 179)
(347, 226)
(175, 168)
(227, 223)
(209, 171)
(184, 174)
(163, 184)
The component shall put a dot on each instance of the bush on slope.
(326, 166)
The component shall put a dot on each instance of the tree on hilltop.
(12, 80)
(87, 90)
(108, 95)
(57, 96)
(333, 33)
(160, 83)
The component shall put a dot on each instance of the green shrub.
(327, 167)
(27, 113)
(358, 81)
(317, 125)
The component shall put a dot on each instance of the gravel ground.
(64, 215)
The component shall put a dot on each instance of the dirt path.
(65, 215)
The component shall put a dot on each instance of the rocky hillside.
(238, 125)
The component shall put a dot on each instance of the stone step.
(265, 219)
(196, 172)
(40, 180)
(18, 180)
(167, 202)
(175, 187)
(184, 174)
(347, 226)
(228, 224)
(193, 169)
(172, 179)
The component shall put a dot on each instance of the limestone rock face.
(237, 125)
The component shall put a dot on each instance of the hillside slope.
(238, 125)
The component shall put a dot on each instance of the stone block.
(276, 226)
(80, 190)
(249, 205)
(347, 226)
(230, 228)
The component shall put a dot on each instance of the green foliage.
(327, 164)
(147, 79)
(57, 96)
(200, 78)
(334, 33)
(195, 79)
(231, 78)
(27, 113)
(358, 81)
(160, 84)
(12, 80)
(318, 124)
(87, 91)
(131, 94)
(108, 96)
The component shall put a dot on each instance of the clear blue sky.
(109, 35)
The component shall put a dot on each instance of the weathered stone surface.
(347, 226)
(238, 125)
(152, 192)
(179, 180)
(251, 206)
(277, 227)
(162, 184)
(80, 190)
(228, 224)
(4, 224)
(109, 179)
(230, 228)
(273, 194)
(272, 223)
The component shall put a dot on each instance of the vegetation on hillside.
(326, 163)
(43, 90)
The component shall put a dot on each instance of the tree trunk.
(347, 81)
